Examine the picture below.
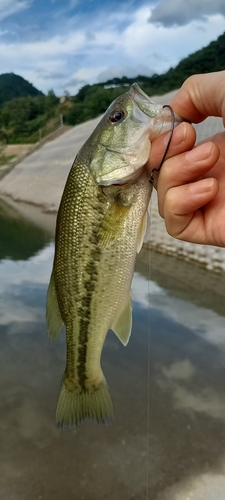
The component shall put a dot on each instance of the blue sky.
(64, 44)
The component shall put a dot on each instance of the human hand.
(191, 182)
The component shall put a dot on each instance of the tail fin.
(76, 406)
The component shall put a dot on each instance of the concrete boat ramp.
(39, 179)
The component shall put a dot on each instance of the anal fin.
(122, 327)
(53, 316)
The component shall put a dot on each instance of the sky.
(65, 44)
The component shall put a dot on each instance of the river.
(168, 384)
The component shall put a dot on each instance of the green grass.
(4, 160)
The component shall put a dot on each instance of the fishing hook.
(151, 180)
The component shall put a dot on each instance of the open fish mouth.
(144, 102)
(160, 115)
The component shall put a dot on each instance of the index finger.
(201, 96)
(183, 139)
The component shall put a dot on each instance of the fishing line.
(151, 180)
(148, 362)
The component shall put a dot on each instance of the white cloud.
(123, 70)
(179, 370)
(142, 290)
(9, 7)
(114, 44)
(181, 12)
(193, 398)
(41, 50)
(204, 323)
(142, 40)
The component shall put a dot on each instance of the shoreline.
(34, 213)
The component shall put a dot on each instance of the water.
(185, 333)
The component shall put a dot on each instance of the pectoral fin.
(147, 233)
(53, 316)
(112, 223)
(122, 327)
(142, 232)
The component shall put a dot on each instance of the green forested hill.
(12, 86)
(30, 110)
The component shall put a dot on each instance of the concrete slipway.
(39, 181)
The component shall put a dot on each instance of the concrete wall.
(208, 256)
(17, 149)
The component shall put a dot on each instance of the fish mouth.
(161, 115)
(144, 102)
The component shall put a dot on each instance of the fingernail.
(199, 153)
(179, 134)
(203, 186)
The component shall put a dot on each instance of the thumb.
(201, 96)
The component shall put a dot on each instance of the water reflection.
(19, 239)
(184, 331)
(23, 287)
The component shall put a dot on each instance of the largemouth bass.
(100, 227)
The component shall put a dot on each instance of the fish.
(101, 225)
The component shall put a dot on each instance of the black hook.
(151, 180)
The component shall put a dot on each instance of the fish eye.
(116, 116)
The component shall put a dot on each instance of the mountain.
(13, 86)
(27, 109)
